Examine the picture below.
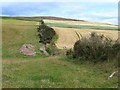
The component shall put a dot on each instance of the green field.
(81, 26)
(20, 71)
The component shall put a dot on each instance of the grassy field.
(64, 25)
(54, 72)
(41, 71)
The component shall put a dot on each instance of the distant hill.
(36, 18)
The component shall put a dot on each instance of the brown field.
(67, 36)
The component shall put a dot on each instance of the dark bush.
(45, 33)
(116, 47)
(52, 49)
(95, 48)
(47, 37)
(69, 53)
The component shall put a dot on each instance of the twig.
(111, 75)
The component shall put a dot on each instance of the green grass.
(63, 25)
(15, 33)
(82, 26)
(53, 72)
(20, 71)
(10, 21)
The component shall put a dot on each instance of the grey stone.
(28, 49)
(43, 50)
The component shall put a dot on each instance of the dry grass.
(79, 23)
(67, 36)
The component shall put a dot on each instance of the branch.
(111, 75)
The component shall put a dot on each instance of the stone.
(43, 50)
(28, 49)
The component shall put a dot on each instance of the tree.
(46, 35)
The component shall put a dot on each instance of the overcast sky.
(90, 10)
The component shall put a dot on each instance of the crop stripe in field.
(81, 26)
(63, 25)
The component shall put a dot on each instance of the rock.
(43, 50)
(28, 49)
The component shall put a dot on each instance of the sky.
(90, 10)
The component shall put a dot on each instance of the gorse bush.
(116, 48)
(47, 37)
(52, 49)
(45, 33)
(69, 53)
(95, 48)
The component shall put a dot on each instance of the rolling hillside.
(20, 71)
(66, 28)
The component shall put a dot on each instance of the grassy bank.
(20, 71)
(54, 72)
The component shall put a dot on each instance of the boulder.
(28, 49)
(43, 50)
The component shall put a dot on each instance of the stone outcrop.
(43, 50)
(28, 49)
